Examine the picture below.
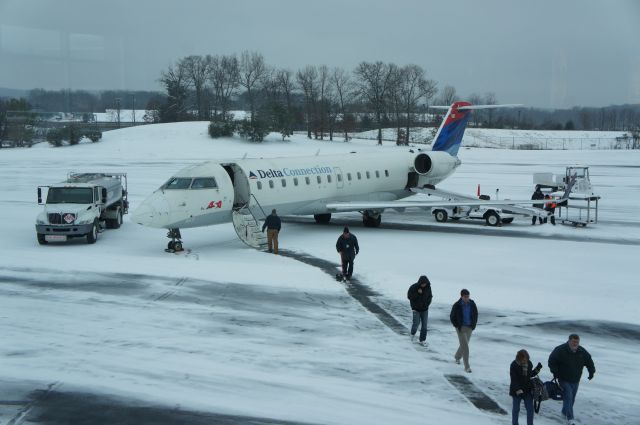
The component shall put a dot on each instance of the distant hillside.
(13, 93)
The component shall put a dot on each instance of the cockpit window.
(204, 183)
(177, 183)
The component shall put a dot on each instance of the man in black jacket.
(273, 225)
(464, 317)
(566, 363)
(536, 196)
(347, 246)
(420, 297)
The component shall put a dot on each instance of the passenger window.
(204, 183)
(349, 176)
(377, 174)
(329, 178)
(386, 173)
(284, 182)
(368, 175)
(359, 175)
(339, 177)
(259, 184)
(271, 185)
(295, 181)
(308, 180)
(319, 179)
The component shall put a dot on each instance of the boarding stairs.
(248, 227)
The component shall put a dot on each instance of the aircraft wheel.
(177, 246)
(322, 218)
(371, 221)
(441, 216)
(492, 219)
(171, 245)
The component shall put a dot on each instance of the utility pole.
(118, 111)
(134, 109)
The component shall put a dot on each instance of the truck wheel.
(41, 239)
(92, 236)
(117, 222)
(492, 218)
(440, 215)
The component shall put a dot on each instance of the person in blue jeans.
(521, 389)
(420, 297)
(566, 362)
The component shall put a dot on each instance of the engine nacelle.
(435, 165)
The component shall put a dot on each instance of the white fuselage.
(294, 186)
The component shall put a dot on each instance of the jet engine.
(435, 166)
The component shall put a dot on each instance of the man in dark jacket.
(420, 297)
(347, 246)
(537, 195)
(464, 317)
(273, 225)
(566, 363)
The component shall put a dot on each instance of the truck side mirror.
(39, 196)
(104, 195)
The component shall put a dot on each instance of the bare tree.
(344, 94)
(372, 82)
(490, 99)
(224, 76)
(252, 72)
(414, 86)
(323, 99)
(196, 70)
(175, 82)
(476, 99)
(308, 82)
(448, 96)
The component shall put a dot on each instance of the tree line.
(320, 100)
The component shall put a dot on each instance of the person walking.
(420, 297)
(464, 317)
(537, 195)
(521, 388)
(566, 362)
(347, 246)
(273, 224)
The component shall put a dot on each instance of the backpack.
(539, 391)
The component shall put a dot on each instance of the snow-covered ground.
(230, 330)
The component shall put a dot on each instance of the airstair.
(247, 225)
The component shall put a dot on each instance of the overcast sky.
(542, 53)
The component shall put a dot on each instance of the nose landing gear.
(175, 244)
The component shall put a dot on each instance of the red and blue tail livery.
(451, 131)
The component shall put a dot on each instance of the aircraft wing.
(401, 205)
(450, 199)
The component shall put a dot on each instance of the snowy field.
(227, 330)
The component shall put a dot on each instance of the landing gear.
(322, 218)
(371, 218)
(175, 244)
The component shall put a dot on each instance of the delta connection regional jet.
(245, 190)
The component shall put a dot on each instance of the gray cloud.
(545, 53)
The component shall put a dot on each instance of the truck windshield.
(70, 195)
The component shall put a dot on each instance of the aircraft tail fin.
(449, 135)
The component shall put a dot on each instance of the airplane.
(216, 192)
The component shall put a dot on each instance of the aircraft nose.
(153, 212)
